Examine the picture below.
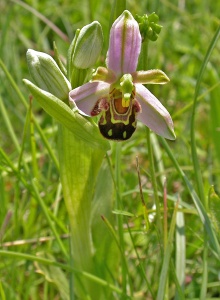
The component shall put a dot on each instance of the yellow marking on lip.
(125, 102)
(119, 107)
(110, 132)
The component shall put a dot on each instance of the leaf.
(123, 213)
(107, 254)
(214, 117)
(167, 256)
(180, 250)
(54, 275)
(214, 204)
(198, 204)
(79, 167)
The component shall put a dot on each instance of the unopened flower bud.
(149, 28)
(47, 75)
(88, 46)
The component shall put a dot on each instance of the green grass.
(176, 256)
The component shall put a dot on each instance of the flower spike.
(117, 92)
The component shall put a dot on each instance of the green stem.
(120, 6)
(144, 55)
(154, 184)
(144, 66)
(117, 9)
(119, 207)
(165, 224)
(90, 8)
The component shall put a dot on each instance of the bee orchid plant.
(116, 93)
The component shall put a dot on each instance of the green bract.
(47, 75)
(81, 127)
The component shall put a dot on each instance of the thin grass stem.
(33, 144)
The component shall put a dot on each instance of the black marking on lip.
(117, 131)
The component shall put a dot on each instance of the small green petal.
(103, 74)
(150, 77)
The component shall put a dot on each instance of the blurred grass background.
(188, 27)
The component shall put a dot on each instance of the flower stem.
(119, 207)
(145, 54)
(144, 66)
(120, 6)
(143, 59)
(154, 184)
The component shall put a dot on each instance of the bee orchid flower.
(117, 92)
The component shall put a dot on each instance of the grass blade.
(199, 206)
(23, 100)
(29, 257)
(180, 249)
(198, 174)
(167, 256)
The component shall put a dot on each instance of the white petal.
(153, 113)
(86, 96)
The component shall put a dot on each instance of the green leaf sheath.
(79, 166)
